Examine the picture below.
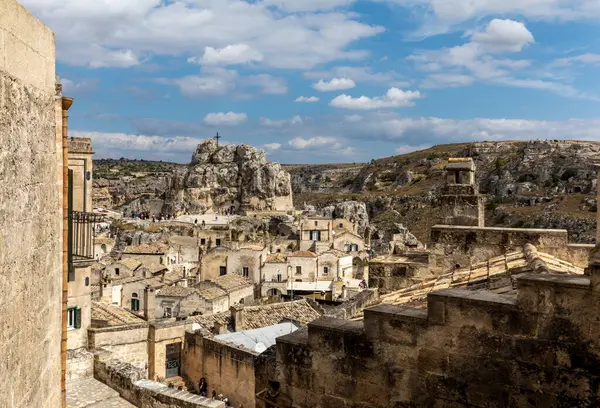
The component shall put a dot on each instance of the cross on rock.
(217, 137)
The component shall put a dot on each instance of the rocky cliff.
(228, 178)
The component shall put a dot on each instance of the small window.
(316, 223)
(325, 270)
(168, 312)
(202, 241)
(355, 247)
(341, 225)
(135, 302)
(218, 241)
(246, 271)
(298, 280)
(278, 250)
(278, 277)
(222, 270)
(117, 271)
(298, 270)
(87, 281)
(73, 318)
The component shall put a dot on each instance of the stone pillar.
(149, 304)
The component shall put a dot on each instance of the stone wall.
(468, 349)
(30, 212)
(460, 245)
(228, 370)
(80, 298)
(128, 343)
(353, 306)
(131, 384)
(389, 276)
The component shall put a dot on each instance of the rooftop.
(113, 315)
(153, 249)
(256, 317)
(276, 258)
(258, 340)
(231, 281)
(130, 263)
(211, 293)
(176, 291)
(303, 254)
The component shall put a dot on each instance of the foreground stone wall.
(461, 245)
(128, 343)
(131, 384)
(30, 213)
(228, 370)
(468, 349)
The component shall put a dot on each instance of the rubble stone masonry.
(30, 213)
(468, 349)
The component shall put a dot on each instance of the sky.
(324, 81)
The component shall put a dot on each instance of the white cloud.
(394, 98)
(308, 5)
(225, 119)
(447, 81)
(119, 33)
(296, 120)
(360, 74)
(504, 35)
(229, 55)
(440, 16)
(353, 118)
(213, 81)
(307, 99)
(269, 84)
(336, 84)
(272, 146)
(313, 142)
(587, 58)
(74, 87)
(473, 61)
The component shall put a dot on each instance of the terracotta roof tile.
(176, 291)
(304, 254)
(256, 317)
(212, 293)
(131, 263)
(231, 281)
(113, 315)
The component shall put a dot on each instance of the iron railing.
(80, 232)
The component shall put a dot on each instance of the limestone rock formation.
(354, 211)
(228, 178)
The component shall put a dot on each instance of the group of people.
(203, 391)
(145, 215)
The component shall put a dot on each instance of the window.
(347, 247)
(316, 223)
(278, 250)
(298, 280)
(168, 312)
(245, 271)
(87, 281)
(222, 270)
(135, 302)
(278, 277)
(354, 247)
(326, 270)
(218, 241)
(202, 241)
(117, 271)
(298, 270)
(341, 225)
(73, 318)
(315, 235)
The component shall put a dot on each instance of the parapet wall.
(468, 349)
(463, 245)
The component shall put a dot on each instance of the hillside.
(546, 184)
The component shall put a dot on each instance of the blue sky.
(317, 81)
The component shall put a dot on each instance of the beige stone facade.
(79, 308)
(30, 212)
(80, 161)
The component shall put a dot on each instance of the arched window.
(135, 302)
(103, 248)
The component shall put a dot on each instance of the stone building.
(535, 346)
(460, 202)
(80, 161)
(31, 223)
(147, 253)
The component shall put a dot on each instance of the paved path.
(91, 393)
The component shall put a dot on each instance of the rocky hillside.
(545, 184)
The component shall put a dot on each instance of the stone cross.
(217, 137)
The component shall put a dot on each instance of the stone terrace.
(91, 393)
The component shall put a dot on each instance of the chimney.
(106, 290)
(237, 317)
(219, 328)
(149, 303)
(184, 283)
